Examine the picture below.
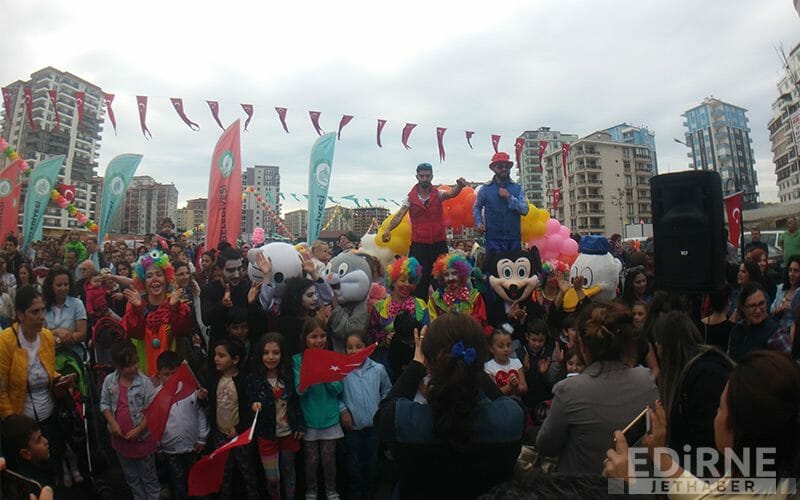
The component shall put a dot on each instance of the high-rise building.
(784, 130)
(266, 183)
(296, 222)
(529, 173)
(718, 137)
(365, 218)
(607, 185)
(58, 133)
(338, 218)
(641, 136)
(192, 215)
(147, 204)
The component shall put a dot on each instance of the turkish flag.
(177, 103)
(108, 99)
(28, 93)
(320, 365)
(248, 109)
(67, 191)
(564, 153)
(344, 121)
(542, 151)
(53, 94)
(7, 104)
(407, 133)
(733, 208)
(440, 141)
(80, 97)
(518, 145)
(141, 101)
(214, 107)
(556, 198)
(495, 142)
(314, 115)
(469, 135)
(282, 117)
(180, 385)
(205, 476)
(381, 124)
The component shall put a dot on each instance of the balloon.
(554, 242)
(543, 215)
(400, 242)
(564, 231)
(538, 242)
(552, 226)
(569, 247)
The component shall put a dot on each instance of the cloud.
(575, 66)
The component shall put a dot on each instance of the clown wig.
(553, 266)
(153, 258)
(403, 266)
(455, 260)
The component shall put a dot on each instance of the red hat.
(500, 157)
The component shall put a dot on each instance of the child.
(28, 453)
(320, 404)
(230, 414)
(237, 327)
(364, 388)
(639, 314)
(505, 371)
(536, 356)
(271, 390)
(575, 362)
(126, 392)
(186, 431)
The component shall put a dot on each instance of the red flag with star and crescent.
(733, 209)
(108, 99)
(53, 94)
(320, 366)
(80, 98)
(141, 101)
(28, 94)
(542, 151)
(7, 104)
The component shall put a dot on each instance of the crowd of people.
(445, 403)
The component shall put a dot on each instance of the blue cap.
(594, 245)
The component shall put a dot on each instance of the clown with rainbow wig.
(452, 271)
(402, 277)
(156, 312)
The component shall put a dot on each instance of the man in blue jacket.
(498, 207)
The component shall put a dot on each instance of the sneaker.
(332, 495)
(311, 496)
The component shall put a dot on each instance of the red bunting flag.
(321, 365)
(53, 94)
(108, 99)
(248, 109)
(80, 98)
(344, 121)
(282, 116)
(314, 115)
(177, 103)
(440, 141)
(9, 198)
(469, 134)
(564, 153)
(381, 124)
(542, 150)
(407, 133)
(495, 142)
(733, 209)
(518, 145)
(205, 476)
(67, 192)
(556, 198)
(7, 104)
(29, 107)
(214, 106)
(142, 102)
(180, 385)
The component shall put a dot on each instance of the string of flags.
(295, 196)
(249, 111)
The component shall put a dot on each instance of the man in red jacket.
(428, 230)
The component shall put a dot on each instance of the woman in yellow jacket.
(27, 369)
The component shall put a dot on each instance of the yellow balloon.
(544, 216)
(401, 236)
(528, 221)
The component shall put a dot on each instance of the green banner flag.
(319, 178)
(118, 176)
(40, 186)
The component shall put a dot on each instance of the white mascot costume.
(598, 268)
(286, 263)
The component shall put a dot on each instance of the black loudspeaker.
(689, 237)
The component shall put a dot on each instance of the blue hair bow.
(467, 354)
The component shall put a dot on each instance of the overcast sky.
(492, 67)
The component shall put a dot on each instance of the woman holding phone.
(27, 369)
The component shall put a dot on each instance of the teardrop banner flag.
(319, 178)
(118, 176)
(9, 199)
(225, 189)
(40, 185)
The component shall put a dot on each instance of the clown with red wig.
(156, 313)
(452, 271)
(402, 277)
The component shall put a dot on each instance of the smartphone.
(16, 485)
(639, 426)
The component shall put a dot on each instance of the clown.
(349, 277)
(551, 295)
(594, 274)
(453, 270)
(156, 312)
(402, 277)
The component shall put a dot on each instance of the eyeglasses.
(502, 166)
(756, 306)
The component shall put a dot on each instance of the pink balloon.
(552, 226)
(554, 242)
(564, 231)
(539, 243)
(569, 247)
(548, 254)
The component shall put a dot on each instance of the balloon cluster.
(265, 206)
(458, 210)
(190, 232)
(73, 211)
(12, 155)
(556, 243)
(532, 225)
(401, 236)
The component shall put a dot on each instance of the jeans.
(140, 473)
(362, 461)
(179, 465)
